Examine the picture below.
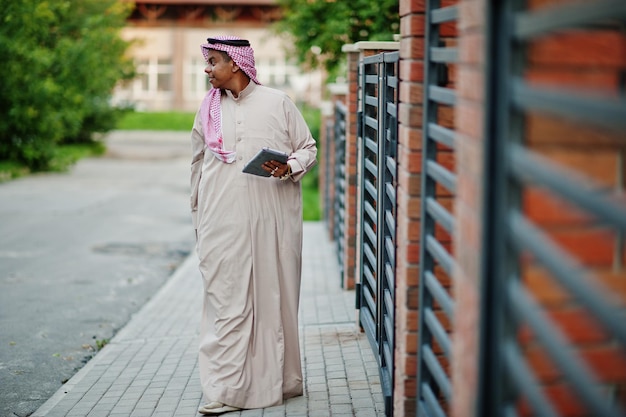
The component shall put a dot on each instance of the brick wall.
(411, 72)
(351, 200)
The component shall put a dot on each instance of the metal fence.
(340, 182)
(434, 391)
(530, 362)
(378, 149)
(328, 191)
(523, 248)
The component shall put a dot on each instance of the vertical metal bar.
(380, 267)
(388, 144)
(431, 38)
(489, 369)
(361, 158)
(503, 126)
(380, 189)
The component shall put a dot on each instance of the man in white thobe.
(249, 233)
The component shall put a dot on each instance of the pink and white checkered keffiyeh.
(210, 109)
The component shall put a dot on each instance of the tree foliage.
(61, 61)
(319, 28)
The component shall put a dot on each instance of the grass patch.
(180, 121)
(311, 207)
(64, 157)
(311, 210)
(10, 170)
(67, 155)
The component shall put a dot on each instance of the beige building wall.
(171, 74)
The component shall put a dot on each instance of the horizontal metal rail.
(432, 407)
(581, 379)
(444, 15)
(442, 135)
(442, 95)
(437, 371)
(434, 325)
(526, 382)
(439, 253)
(526, 237)
(569, 185)
(440, 294)
(599, 110)
(528, 25)
(444, 55)
(440, 214)
(441, 175)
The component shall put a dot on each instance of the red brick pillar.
(351, 199)
(408, 210)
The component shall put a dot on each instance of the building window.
(155, 76)
(275, 72)
(196, 82)
(164, 75)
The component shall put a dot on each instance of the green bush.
(317, 30)
(61, 61)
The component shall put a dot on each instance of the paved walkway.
(150, 367)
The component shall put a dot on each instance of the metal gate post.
(434, 391)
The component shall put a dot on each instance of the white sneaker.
(215, 407)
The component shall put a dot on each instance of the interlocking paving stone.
(150, 369)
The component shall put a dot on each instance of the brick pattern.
(353, 216)
(588, 60)
(411, 73)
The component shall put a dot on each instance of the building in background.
(167, 35)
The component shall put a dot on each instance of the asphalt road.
(80, 252)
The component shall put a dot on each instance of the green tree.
(61, 61)
(319, 28)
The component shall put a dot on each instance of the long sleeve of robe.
(249, 244)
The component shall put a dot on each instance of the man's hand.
(276, 169)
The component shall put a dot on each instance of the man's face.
(219, 70)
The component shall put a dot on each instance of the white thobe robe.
(249, 243)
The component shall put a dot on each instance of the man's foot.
(215, 407)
